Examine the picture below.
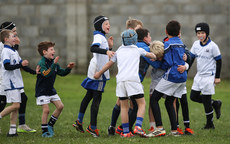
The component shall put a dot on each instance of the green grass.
(71, 93)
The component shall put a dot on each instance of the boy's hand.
(17, 40)
(110, 53)
(97, 75)
(25, 63)
(110, 42)
(56, 59)
(185, 57)
(71, 65)
(217, 81)
(181, 68)
(38, 69)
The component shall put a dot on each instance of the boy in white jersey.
(12, 78)
(128, 82)
(208, 73)
(101, 49)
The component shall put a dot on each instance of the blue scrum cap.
(129, 37)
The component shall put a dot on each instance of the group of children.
(12, 87)
(170, 61)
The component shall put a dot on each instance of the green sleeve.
(63, 72)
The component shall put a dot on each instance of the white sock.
(12, 129)
(152, 124)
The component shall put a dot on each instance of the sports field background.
(71, 93)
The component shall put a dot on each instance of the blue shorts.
(91, 84)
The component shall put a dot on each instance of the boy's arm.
(64, 72)
(8, 66)
(96, 49)
(105, 68)
(151, 55)
(155, 64)
(218, 70)
(28, 69)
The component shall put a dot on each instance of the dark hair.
(173, 28)
(5, 34)
(142, 33)
(44, 46)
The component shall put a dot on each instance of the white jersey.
(128, 59)
(2, 92)
(12, 79)
(206, 57)
(99, 60)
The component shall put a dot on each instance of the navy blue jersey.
(45, 80)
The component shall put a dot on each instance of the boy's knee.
(60, 107)
(46, 111)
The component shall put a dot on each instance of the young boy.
(133, 24)
(11, 78)
(22, 127)
(156, 75)
(173, 82)
(208, 73)
(101, 53)
(128, 81)
(45, 91)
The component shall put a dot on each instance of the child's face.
(11, 40)
(106, 26)
(148, 39)
(49, 54)
(201, 35)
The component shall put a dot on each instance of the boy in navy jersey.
(45, 91)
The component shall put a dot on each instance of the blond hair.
(132, 23)
(157, 47)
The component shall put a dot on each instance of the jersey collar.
(98, 32)
(9, 47)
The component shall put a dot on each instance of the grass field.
(71, 93)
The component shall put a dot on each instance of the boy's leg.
(185, 111)
(151, 117)
(156, 108)
(140, 114)
(171, 112)
(95, 108)
(195, 96)
(13, 120)
(124, 114)
(22, 111)
(208, 111)
(44, 125)
(115, 115)
(92, 128)
(2, 102)
(132, 112)
(9, 109)
(157, 114)
(84, 105)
